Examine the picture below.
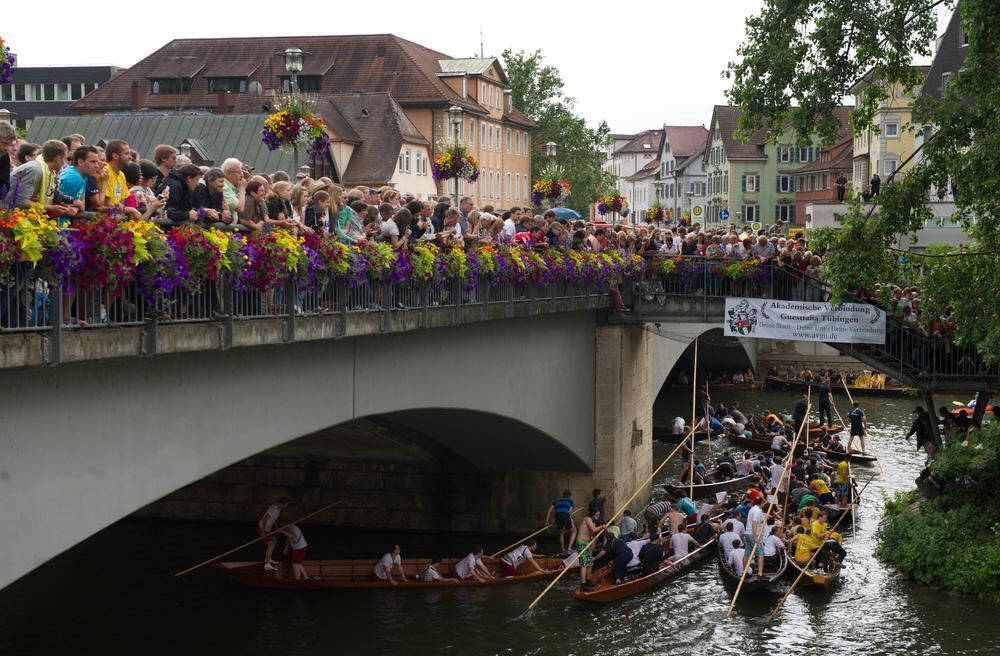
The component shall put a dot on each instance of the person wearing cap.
(619, 552)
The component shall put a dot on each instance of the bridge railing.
(908, 350)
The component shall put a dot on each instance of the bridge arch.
(125, 433)
(674, 344)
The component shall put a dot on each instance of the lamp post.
(293, 66)
(455, 116)
(550, 153)
(689, 194)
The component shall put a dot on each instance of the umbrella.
(566, 213)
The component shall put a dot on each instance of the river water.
(115, 594)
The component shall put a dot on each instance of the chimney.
(223, 102)
(136, 96)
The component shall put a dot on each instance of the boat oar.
(816, 553)
(850, 398)
(758, 535)
(576, 555)
(528, 537)
(258, 539)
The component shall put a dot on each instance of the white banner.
(854, 323)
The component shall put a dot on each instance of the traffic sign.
(696, 211)
(723, 214)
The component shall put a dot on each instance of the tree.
(800, 58)
(537, 90)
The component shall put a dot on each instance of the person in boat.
(745, 465)
(561, 512)
(431, 573)
(383, 568)
(859, 426)
(628, 525)
(651, 555)
(772, 423)
(686, 506)
(738, 378)
(706, 530)
(676, 520)
(809, 512)
(796, 490)
(774, 544)
(842, 484)
(821, 488)
(597, 502)
(799, 413)
(265, 529)
(295, 549)
(730, 537)
(734, 523)
(776, 480)
(472, 567)
(725, 466)
(588, 530)
(699, 472)
(655, 514)
(678, 427)
(519, 555)
(835, 445)
(734, 411)
(734, 557)
(779, 445)
(825, 402)
(681, 544)
(748, 376)
(755, 534)
(620, 554)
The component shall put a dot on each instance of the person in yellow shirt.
(842, 485)
(803, 544)
(822, 490)
(115, 185)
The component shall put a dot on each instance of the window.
(524, 187)
(784, 184)
(945, 82)
(527, 142)
(804, 154)
(963, 37)
(407, 153)
(306, 83)
(751, 213)
(507, 137)
(812, 183)
(7, 92)
(825, 181)
(892, 129)
(517, 141)
(227, 85)
(401, 169)
(472, 132)
(491, 136)
(20, 92)
(76, 91)
(889, 167)
(784, 213)
(751, 183)
(482, 136)
(62, 92)
(517, 186)
(168, 85)
(784, 153)
(507, 188)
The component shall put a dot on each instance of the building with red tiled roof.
(242, 76)
(632, 159)
(681, 179)
(816, 182)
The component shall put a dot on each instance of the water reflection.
(117, 591)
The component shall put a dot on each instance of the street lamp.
(293, 65)
(550, 150)
(455, 115)
(690, 195)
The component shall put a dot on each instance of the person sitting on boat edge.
(628, 525)
(588, 529)
(518, 555)
(383, 568)
(265, 526)
(651, 555)
(620, 554)
(472, 566)
(561, 511)
(295, 549)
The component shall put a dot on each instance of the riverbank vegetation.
(952, 539)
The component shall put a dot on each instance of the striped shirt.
(563, 505)
(659, 509)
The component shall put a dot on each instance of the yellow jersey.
(819, 486)
(115, 188)
(843, 472)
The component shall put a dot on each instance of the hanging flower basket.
(555, 190)
(8, 61)
(655, 213)
(612, 205)
(295, 123)
(456, 162)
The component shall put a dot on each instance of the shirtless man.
(265, 527)
(588, 529)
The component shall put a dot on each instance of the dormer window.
(306, 83)
(159, 86)
(227, 85)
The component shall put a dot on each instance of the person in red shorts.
(296, 543)
(513, 558)
(265, 528)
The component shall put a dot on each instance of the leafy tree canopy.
(797, 64)
(537, 90)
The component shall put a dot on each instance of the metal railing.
(908, 351)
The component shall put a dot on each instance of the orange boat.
(605, 591)
(358, 574)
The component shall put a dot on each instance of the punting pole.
(694, 402)
(816, 553)
(528, 537)
(881, 469)
(247, 544)
(625, 505)
(760, 534)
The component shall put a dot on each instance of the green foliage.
(537, 90)
(954, 539)
(800, 59)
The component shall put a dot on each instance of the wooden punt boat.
(813, 578)
(357, 574)
(708, 489)
(757, 444)
(605, 591)
(837, 388)
(665, 434)
(769, 580)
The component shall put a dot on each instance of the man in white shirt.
(745, 466)
(734, 525)
(776, 482)
(735, 558)
(383, 568)
(509, 227)
(779, 444)
(472, 567)
(728, 542)
(513, 558)
(296, 543)
(265, 527)
(763, 249)
(678, 426)
(431, 573)
(681, 543)
(756, 521)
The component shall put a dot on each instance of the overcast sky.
(638, 64)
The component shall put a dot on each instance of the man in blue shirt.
(75, 180)
(561, 511)
(859, 425)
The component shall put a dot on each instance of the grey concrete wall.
(84, 445)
